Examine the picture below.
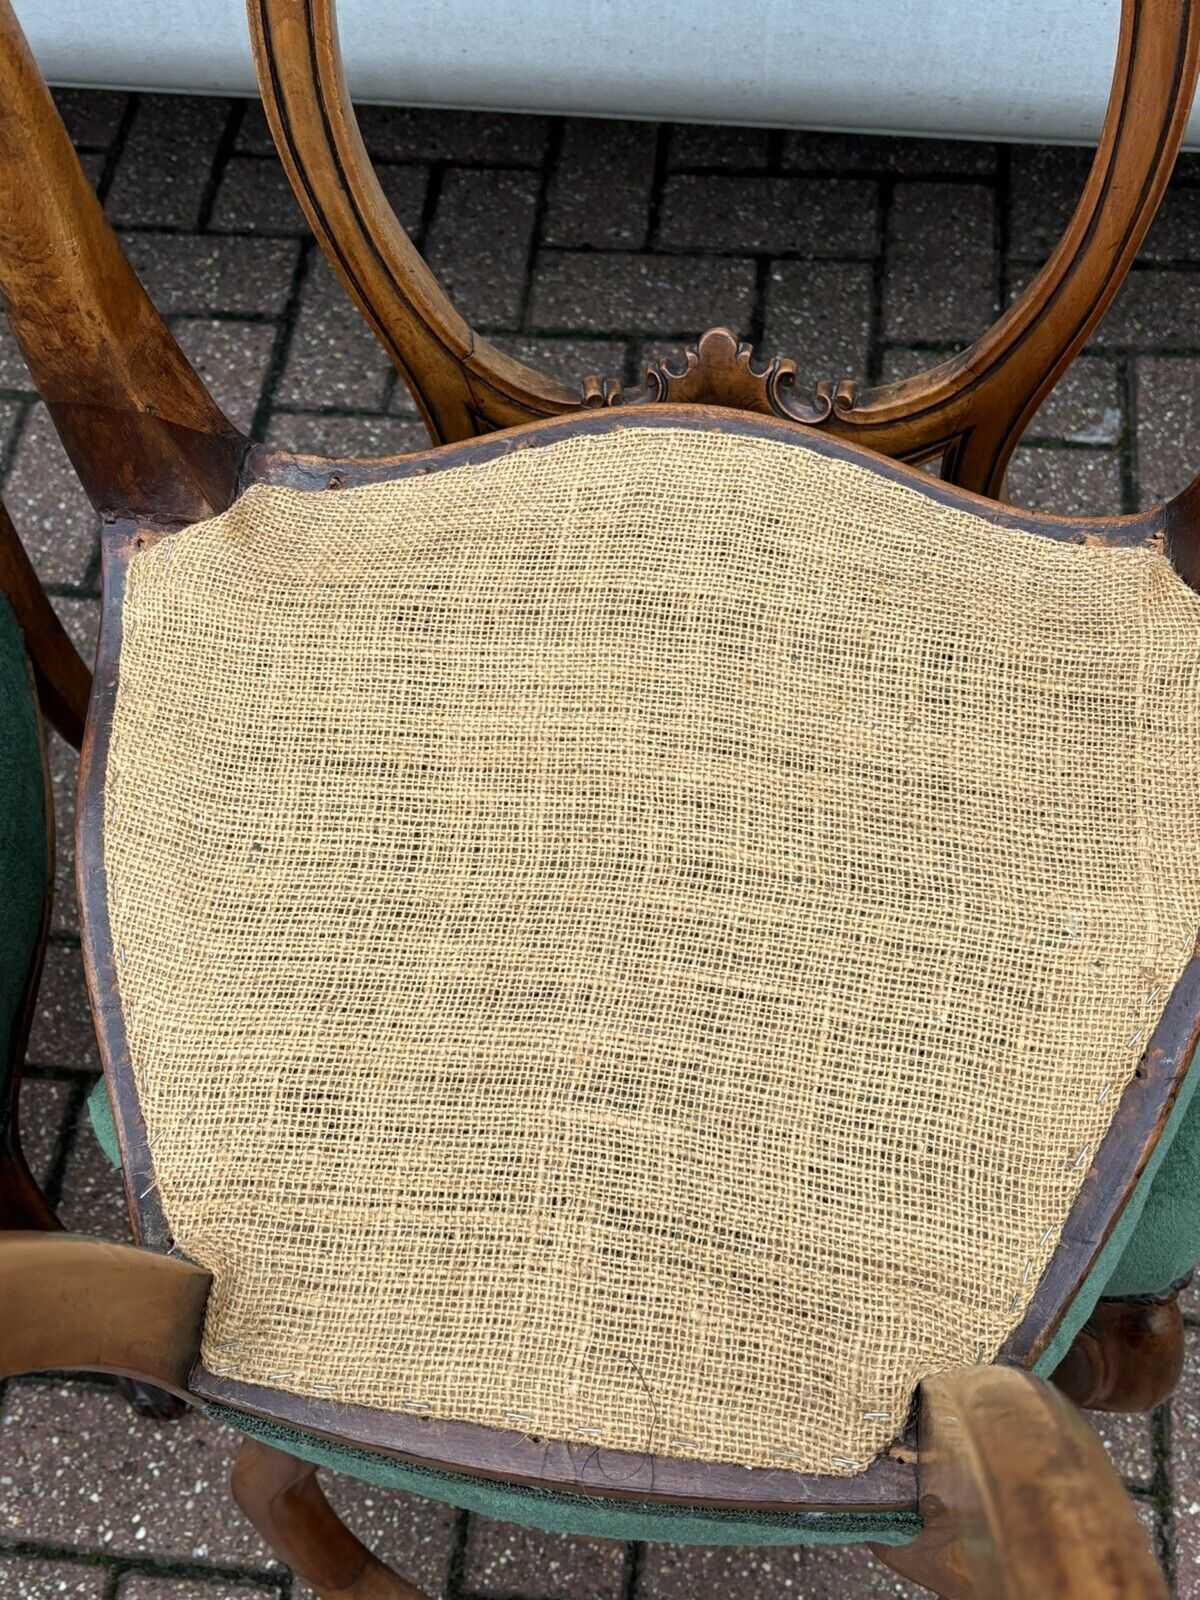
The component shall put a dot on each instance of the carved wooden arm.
(75, 1304)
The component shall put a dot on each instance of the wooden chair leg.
(283, 1500)
(1128, 1356)
(1018, 1499)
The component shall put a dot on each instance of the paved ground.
(586, 246)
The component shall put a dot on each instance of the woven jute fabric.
(638, 941)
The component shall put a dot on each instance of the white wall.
(1010, 69)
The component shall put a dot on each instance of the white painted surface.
(1009, 69)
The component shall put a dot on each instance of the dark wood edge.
(1116, 1167)
(146, 1215)
(310, 472)
(889, 1483)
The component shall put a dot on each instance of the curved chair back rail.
(887, 1484)
(148, 441)
(971, 409)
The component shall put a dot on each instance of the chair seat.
(640, 940)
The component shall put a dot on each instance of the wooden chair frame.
(62, 682)
(155, 453)
(970, 410)
(1018, 1499)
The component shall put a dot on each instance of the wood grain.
(1019, 1500)
(281, 1497)
(970, 409)
(1128, 1356)
(142, 431)
(75, 1304)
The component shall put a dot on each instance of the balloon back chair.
(644, 955)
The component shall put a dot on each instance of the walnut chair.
(644, 956)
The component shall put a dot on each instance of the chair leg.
(1019, 1499)
(282, 1498)
(22, 1204)
(1128, 1356)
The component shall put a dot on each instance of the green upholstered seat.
(22, 834)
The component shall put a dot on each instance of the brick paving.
(580, 246)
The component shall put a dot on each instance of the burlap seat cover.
(639, 941)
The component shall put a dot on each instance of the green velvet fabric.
(99, 1109)
(1156, 1239)
(583, 1514)
(1165, 1244)
(1147, 1235)
(22, 836)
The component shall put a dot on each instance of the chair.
(644, 956)
(39, 668)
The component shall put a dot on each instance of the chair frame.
(985, 1437)
(155, 453)
(970, 410)
(62, 684)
